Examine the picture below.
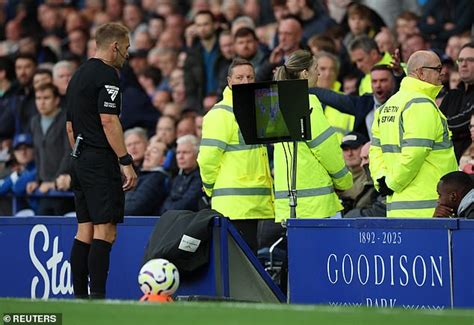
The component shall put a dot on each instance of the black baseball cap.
(353, 140)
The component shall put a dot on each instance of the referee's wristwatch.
(126, 160)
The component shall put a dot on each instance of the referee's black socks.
(79, 267)
(99, 257)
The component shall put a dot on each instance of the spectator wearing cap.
(351, 145)
(22, 168)
(369, 202)
(185, 190)
(51, 149)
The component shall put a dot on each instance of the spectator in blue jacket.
(186, 188)
(23, 170)
(152, 186)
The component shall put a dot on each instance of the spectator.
(42, 76)
(386, 41)
(359, 20)
(185, 126)
(7, 95)
(136, 142)
(166, 64)
(201, 68)
(77, 44)
(225, 45)
(327, 70)
(246, 47)
(413, 43)
(457, 106)
(365, 54)
(185, 190)
(314, 21)
(406, 25)
(198, 123)
(362, 107)
(166, 133)
(23, 170)
(23, 105)
(456, 196)
(152, 187)
(440, 24)
(51, 149)
(114, 9)
(369, 203)
(290, 33)
(322, 43)
(62, 73)
(351, 145)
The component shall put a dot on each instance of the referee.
(99, 159)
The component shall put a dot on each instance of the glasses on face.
(438, 68)
(467, 60)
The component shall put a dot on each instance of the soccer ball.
(158, 276)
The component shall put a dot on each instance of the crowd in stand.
(177, 70)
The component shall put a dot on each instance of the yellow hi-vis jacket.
(236, 175)
(365, 86)
(412, 148)
(342, 123)
(320, 170)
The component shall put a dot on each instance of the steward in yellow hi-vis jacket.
(235, 175)
(320, 171)
(320, 165)
(411, 145)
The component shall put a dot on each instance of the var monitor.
(273, 111)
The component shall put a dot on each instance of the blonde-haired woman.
(321, 169)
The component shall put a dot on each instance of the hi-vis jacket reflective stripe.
(236, 175)
(341, 123)
(320, 170)
(412, 148)
(365, 86)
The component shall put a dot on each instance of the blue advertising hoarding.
(35, 261)
(370, 262)
(35, 254)
(463, 264)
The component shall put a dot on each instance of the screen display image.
(270, 122)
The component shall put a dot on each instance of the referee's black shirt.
(93, 89)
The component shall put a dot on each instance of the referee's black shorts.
(97, 185)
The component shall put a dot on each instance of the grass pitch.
(196, 313)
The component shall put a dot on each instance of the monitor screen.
(269, 119)
(272, 111)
